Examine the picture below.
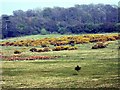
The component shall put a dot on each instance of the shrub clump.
(59, 48)
(17, 52)
(72, 43)
(40, 50)
(33, 50)
(100, 45)
(73, 48)
(44, 45)
(46, 49)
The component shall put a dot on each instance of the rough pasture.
(99, 67)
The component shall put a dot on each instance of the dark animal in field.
(77, 68)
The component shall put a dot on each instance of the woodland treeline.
(92, 18)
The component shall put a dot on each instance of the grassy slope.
(35, 37)
(46, 36)
(99, 69)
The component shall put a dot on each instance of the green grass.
(60, 74)
(99, 68)
(35, 37)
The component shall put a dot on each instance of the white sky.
(8, 6)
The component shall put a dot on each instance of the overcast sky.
(8, 6)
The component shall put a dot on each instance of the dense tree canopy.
(90, 18)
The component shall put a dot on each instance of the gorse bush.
(59, 48)
(46, 49)
(65, 40)
(100, 45)
(40, 50)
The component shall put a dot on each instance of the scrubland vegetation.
(49, 62)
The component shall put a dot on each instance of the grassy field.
(99, 68)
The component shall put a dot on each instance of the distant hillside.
(90, 18)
